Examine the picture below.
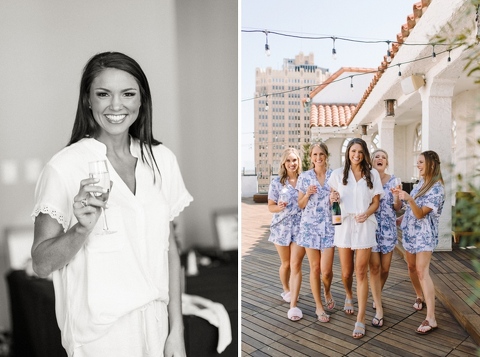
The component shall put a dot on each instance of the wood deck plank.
(266, 331)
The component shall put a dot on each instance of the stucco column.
(368, 140)
(386, 130)
(437, 136)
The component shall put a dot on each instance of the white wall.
(45, 45)
(208, 63)
(335, 148)
(249, 185)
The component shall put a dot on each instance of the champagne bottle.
(336, 214)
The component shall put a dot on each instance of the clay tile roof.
(330, 115)
(333, 115)
(419, 9)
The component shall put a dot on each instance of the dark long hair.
(85, 125)
(366, 164)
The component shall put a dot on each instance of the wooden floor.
(266, 330)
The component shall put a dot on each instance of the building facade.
(281, 120)
(439, 112)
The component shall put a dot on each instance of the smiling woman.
(125, 286)
(114, 98)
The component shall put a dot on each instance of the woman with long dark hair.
(420, 233)
(117, 285)
(358, 188)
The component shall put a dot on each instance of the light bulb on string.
(267, 47)
(434, 55)
(399, 71)
(449, 59)
(334, 51)
(266, 103)
(389, 54)
(351, 83)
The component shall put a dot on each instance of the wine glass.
(397, 182)
(99, 170)
(283, 197)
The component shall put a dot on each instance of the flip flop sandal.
(359, 330)
(425, 323)
(419, 304)
(377, 322)
(295, 314)
(323, 317)
(330, 304)
(348, 307)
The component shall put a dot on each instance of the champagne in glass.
(283, 197)
(398, 183)
(99, 170)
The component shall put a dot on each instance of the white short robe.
(355, 198)
(112, 275)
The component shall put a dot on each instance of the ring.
(84, 202)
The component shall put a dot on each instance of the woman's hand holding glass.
(99, 170)
(89, 202)
(397, 191)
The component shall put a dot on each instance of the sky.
(365, 20)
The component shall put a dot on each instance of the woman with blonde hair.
(386, 233)
(420, 233)
(283, 203)
(316, 229)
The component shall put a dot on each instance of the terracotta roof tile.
(338, 115)
(419, 9)
(330, 115)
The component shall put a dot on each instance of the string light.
(334, 38)
(389, 54)
(449, 59)
(351, 83)
(434, 55)
(334, 51)
(354, 75)
(267, 47)
(399, 71)
(266, 102)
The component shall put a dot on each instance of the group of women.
(369, 199)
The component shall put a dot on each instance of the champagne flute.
(397, 181)
(99, 170)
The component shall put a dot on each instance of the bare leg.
(284, 270)
(346, 263)
(326, 268)
(361, 272)
(412, 272)
(423, 271)
(386, 261)
(315, 285)
(296, 257)
(376, 283)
